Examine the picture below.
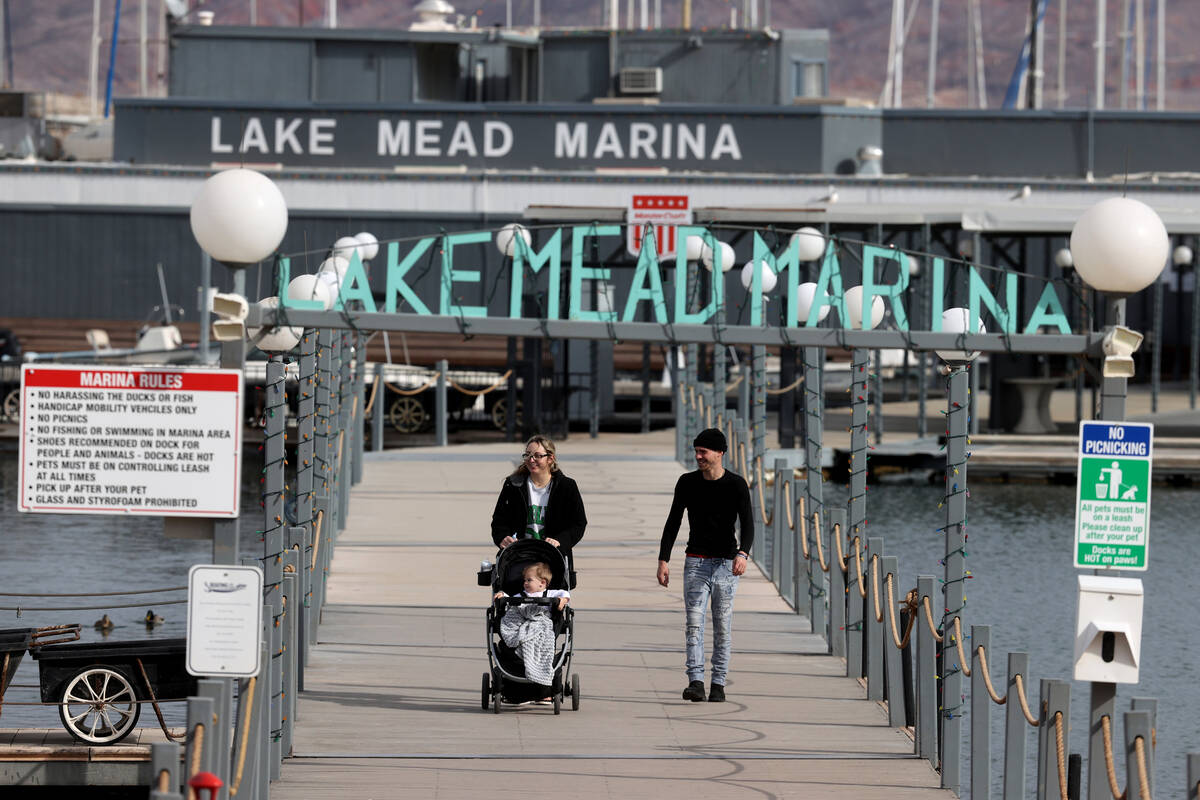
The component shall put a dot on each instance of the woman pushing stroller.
(538, 501)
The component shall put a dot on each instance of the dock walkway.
(391, 705)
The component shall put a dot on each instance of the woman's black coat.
(564, 520)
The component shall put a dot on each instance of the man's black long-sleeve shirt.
(712, 507)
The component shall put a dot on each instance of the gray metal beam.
(1088, 343)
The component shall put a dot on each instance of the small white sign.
(130, 440)
(224, 621)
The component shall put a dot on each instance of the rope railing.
(816, 516)
(958, 640)
(371, 401)
(729, 387)
(875, 587)
(1019, 680)
(316, 539)
(937, 637)
(804, 523)
(477, 392)
(1139, 748)
(786, 499)
(860, 576)
(987, 677)
(786, 389)
(838, 549)
(1060, 747)
(410, 392)
(197, 752)
(910, 602)
(242, 748)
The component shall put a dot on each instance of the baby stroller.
(506, 682)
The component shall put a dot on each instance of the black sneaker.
(694, 692)
(716, 693)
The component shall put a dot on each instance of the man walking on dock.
(713, 497)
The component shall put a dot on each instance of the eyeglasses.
(535, 456)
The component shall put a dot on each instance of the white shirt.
(538, 499)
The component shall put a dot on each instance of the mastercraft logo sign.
(1112, 506)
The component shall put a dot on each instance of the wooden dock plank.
(392, 690)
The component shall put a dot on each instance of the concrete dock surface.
(392, 699)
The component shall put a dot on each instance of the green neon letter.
(355, 285)
(937, 295)
(579, 272)
(892, 292)
(1048, 311)
(450, 275)
(829, 282)
(647, 268)
(396, 271)
(552, 253)
(789, 258)
(1006, 316)
(682, 315)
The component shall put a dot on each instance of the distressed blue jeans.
(708, 580)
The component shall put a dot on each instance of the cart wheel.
(407, 415)
(99, 706)
(557, 704)
(12, 406)
(487, 692)
(575, 692)
(500, 409)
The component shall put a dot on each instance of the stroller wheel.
(496, 696)
(487, 691)
(557, 703)
(575, 692)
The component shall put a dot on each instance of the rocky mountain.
(50, 39)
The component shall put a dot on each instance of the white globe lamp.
(810, 242)
(1182, 256)
(695, 248)
(310, 287)
(956, 320)
(806, 293)
(368, 245)
(274, 340)
(1119, 246)
(769, 279)
(506, 238)
(345, 247)
(239, 217)
(1063, 259)
(727, 256)
(854, 308)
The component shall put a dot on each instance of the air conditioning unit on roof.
(641, 80)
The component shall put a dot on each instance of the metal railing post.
(778, 522)
(874, 627)
(441, 411)
(928, 708)
(981, 714)
(199, 749)
(272, 564)
(289, 659)
(379, 392)
(220, 691)
(895, 671)
(1057, 696)
(837, 586)
(855, 585)
(1137, 726)
(1014, 730)
(296, 544)
(164, 759)
(1193, 759)
(360, 406)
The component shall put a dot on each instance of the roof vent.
(641, 80)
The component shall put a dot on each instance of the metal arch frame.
(1049, 343)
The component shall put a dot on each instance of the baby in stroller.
(530, 628)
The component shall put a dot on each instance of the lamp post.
(813, 427)
(697, 249)
(955, 320)
(1120, 247)
(238, 218)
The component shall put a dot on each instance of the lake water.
(1019, 551)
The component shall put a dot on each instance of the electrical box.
(1108, 629)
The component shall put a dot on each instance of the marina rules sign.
(164, 441)
(1112, 495)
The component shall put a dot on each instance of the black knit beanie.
(711, 439)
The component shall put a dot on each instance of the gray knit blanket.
(527, 628)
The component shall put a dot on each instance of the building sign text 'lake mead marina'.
(646, 295)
